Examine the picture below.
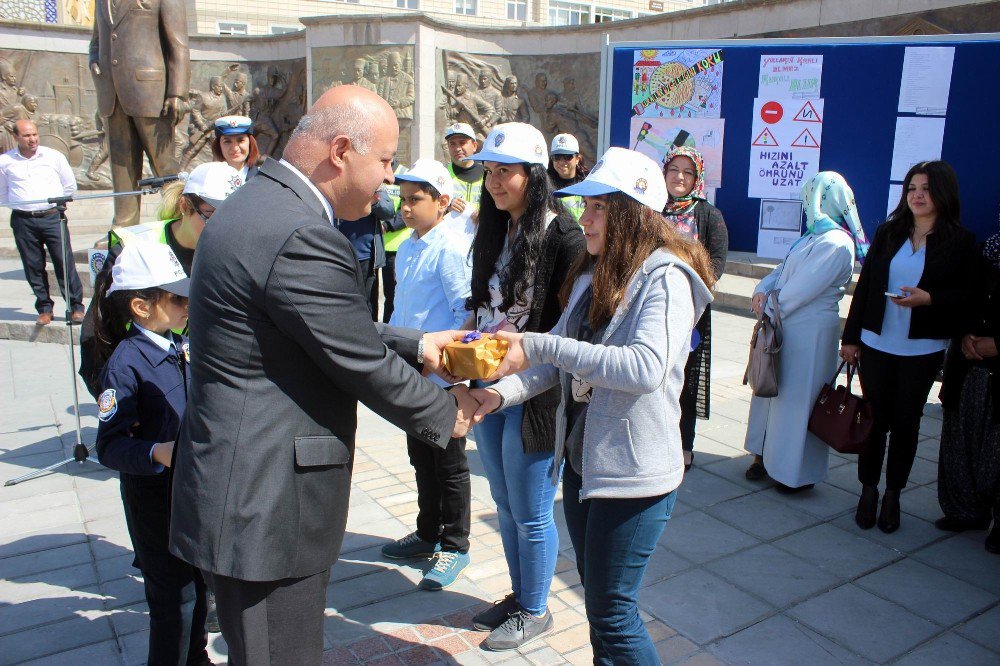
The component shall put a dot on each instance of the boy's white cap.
(464, 129)
(143, 264)
(431, 172)
(564, 144)
(512, 143)
(213, 182)
(625, 171)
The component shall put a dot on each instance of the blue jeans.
(614, 539)
(521, 485)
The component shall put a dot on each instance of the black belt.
(36, 213)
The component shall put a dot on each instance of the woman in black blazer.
(909, 302)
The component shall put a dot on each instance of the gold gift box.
(474, 358)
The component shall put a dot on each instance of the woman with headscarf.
(969, 464)
(809, 283)
(689, 213)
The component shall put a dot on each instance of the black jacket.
(564, 242)
(712, 234)
(283, 349)
(947, 277)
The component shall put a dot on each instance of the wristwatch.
(420, 352)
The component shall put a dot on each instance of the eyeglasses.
(562, 158)
(201, 213)
(686, 173)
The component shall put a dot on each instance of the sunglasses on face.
(562, 158)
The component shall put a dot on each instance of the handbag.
(840, 418)
(765, 344)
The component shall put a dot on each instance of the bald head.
(24, 127)
(26, 136)
(345, 145)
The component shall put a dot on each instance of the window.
(568, 13)
(284, 29)
(603, 14)
(228, 28)
(467, 7)
(517, 10)
(408, 4)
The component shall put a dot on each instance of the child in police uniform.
(141, 405)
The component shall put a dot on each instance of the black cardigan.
(564, 242)
(712, 233)
(948, 274)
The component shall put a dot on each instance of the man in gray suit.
(282, 349)
(139, 60)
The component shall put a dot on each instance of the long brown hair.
(632, 233)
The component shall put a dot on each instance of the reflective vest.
(574, 206)
(468, 192)
(151, 232)
(393, 239)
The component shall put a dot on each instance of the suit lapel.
(119, 10)
(276, 171)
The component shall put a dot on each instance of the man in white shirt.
(29, 173)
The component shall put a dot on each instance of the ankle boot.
(993, 538)
(867, 507)
(888, 517)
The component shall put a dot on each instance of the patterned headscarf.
(829, 204)
(677, 205)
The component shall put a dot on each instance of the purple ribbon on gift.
(472, 335)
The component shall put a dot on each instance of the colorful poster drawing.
(656, 136)
(796, 76)
(677, 83)
(787, 135)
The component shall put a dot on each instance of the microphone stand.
(81, 451)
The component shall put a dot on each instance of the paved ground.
(742, 575)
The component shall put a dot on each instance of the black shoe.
(519, 629)
(865, 516)
(888, 517)
(756, 471)
(495, 615)
(949, 524)
(993, 539)
(789, 490)
(689, 465)
(212, 619)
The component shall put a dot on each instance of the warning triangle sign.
(805, 140)
(808, 114)
(765, 139)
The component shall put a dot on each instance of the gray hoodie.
(631, 440)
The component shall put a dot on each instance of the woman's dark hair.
(254, 157)
(943, 185)
(632, 232)
(113, 313)
(581, 171)
(526, 250)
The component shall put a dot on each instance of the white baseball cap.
(464, 129)
(431, 172)
(143, 264)
(512, 143)
(625, 171)
(213, 182)
(564, 144)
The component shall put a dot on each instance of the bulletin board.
(767, 114)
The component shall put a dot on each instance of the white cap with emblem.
(431, 172)
(625, 171)
(512, 143)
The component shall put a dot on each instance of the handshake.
(473, 404)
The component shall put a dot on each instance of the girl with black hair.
(522, 253)
(140, 407)
(911, 299)
(567, 167)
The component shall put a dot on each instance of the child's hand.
(163, 452)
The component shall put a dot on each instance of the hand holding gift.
(476, 356)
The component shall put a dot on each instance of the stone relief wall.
(555, 93)
(56, 91)
(385, 70)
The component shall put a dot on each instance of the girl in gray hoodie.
(617, 354)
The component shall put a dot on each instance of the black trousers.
(897, 387)
(175, 590)
(33, 237)
(388, 285)
(272, 623)
(444, 492)
(371, 286)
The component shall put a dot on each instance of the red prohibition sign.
(771, 112)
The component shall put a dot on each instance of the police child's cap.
(432, 173)
(564, 144)
(625, 171)
(227, 125)
(464, 129)
(213, 182)
(513, 143)
(143, 265)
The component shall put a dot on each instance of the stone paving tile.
(921, 502)
(701, 489)
(949, 648)
(782, 640)
(912, 535)
(864, 623)
(699, 537)
(52, 638)
(702, 606)
(762, 516)
(774, 575)
(984, 629)
(966, 560)
(105, 652)
(836, 550)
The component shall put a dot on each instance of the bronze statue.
(264, 107)
(490, 95)
(141, 66)
(359, 75)
(396, 87)
(237, 96)
(513, 108)
(469, 108)
(536, 96)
